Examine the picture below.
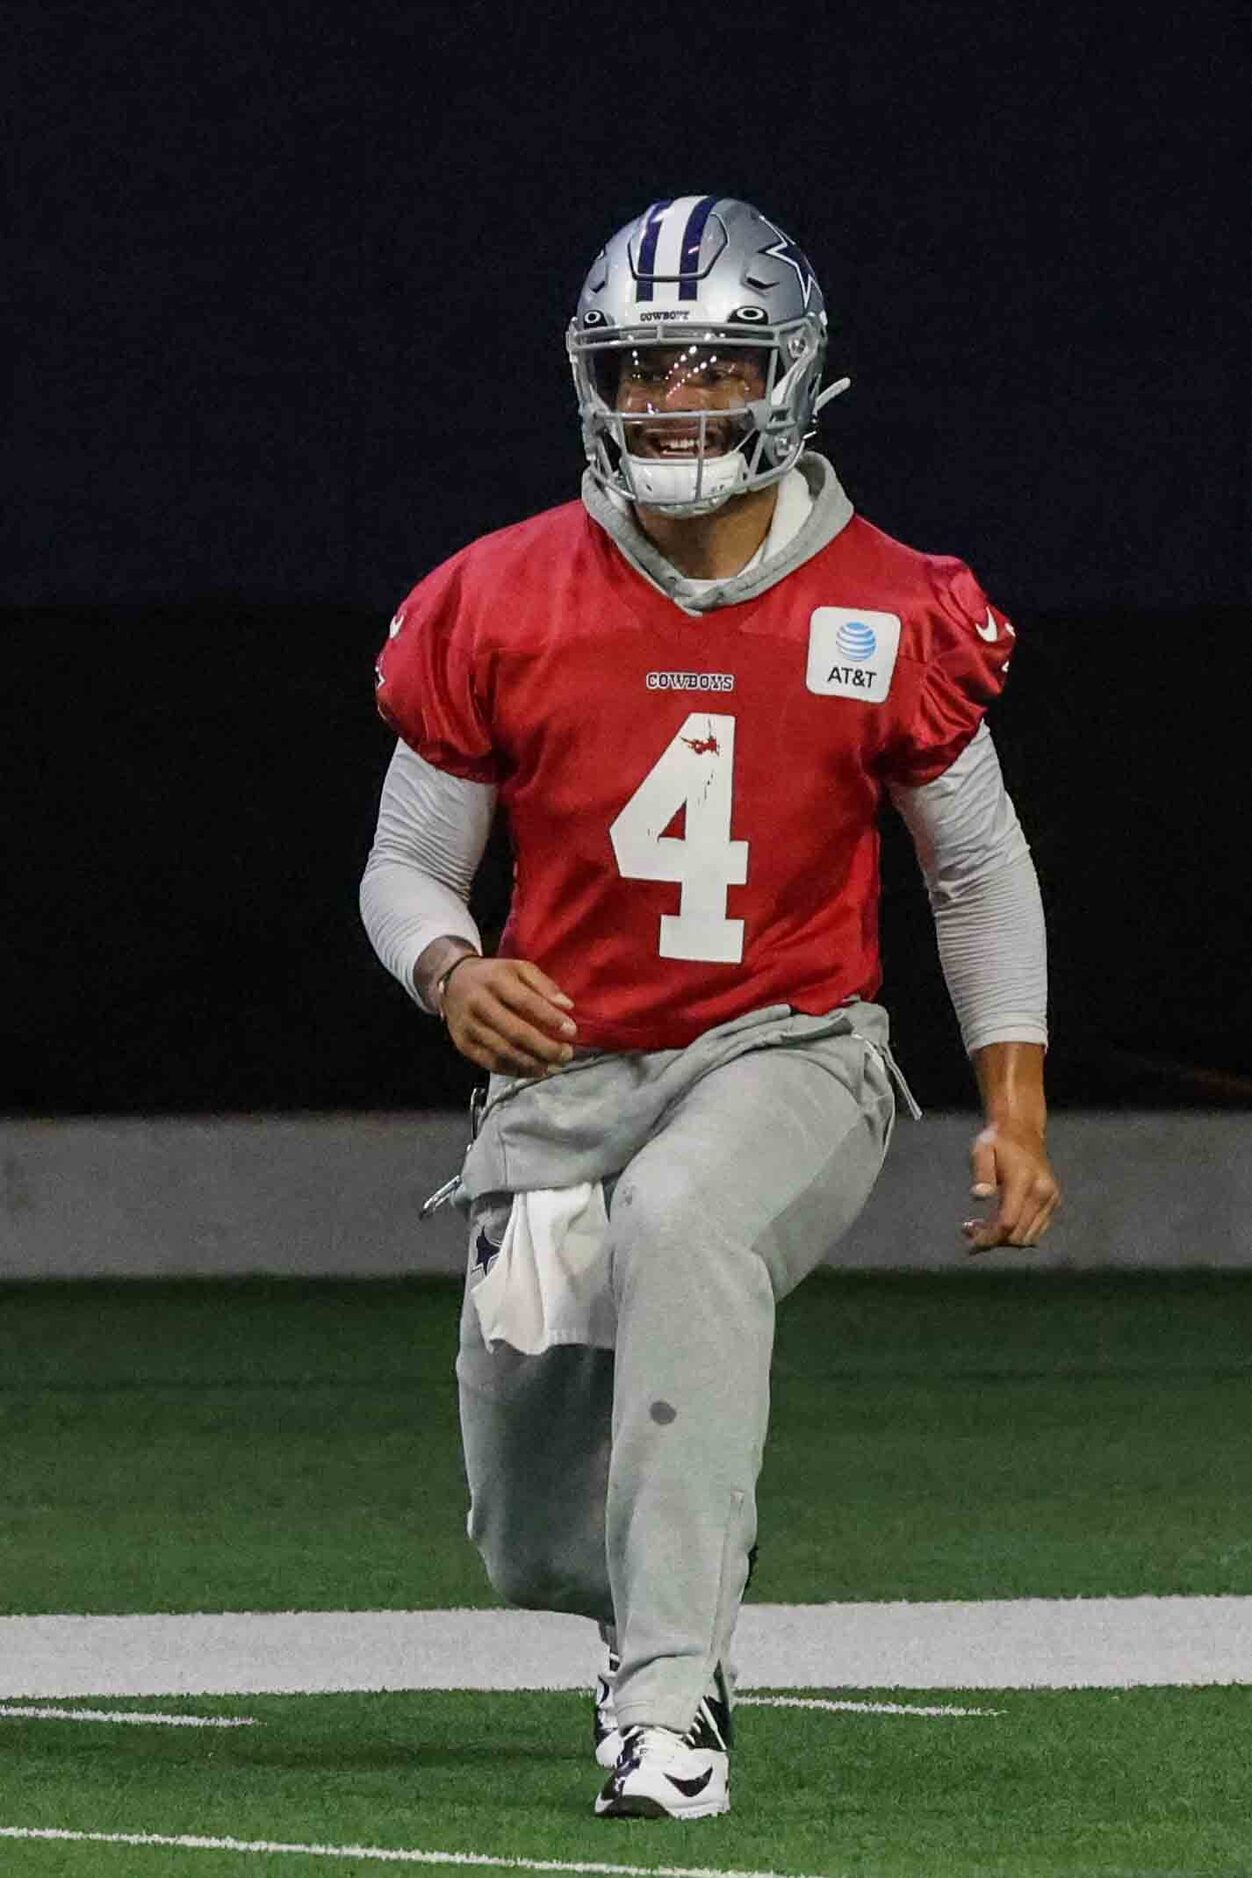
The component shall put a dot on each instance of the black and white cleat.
(660, 1775)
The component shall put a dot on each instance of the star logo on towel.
(484, 1251)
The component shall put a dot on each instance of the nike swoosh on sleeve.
(989, 631)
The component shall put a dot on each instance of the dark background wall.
(289, 297)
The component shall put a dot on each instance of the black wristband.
(441, 983)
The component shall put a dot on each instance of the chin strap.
(831, 391)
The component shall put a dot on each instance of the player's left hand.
(1011, 1162)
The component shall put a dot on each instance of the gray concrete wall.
(338, 1195)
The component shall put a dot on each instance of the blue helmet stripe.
(693, 234)
(647, 249)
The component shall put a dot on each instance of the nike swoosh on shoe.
(691, 1787)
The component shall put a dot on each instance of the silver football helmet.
(697, 349)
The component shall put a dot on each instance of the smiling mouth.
(680, 445)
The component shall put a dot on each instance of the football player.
(693, 690)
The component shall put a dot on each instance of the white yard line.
(137, 1717)
(856, 1708)
(1028, 1643)
(380, 1854)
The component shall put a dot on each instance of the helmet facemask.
(682, 419)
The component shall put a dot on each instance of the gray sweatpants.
(622, 1485)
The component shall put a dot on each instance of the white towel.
(550, 1283)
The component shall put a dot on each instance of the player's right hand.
(508, 1016)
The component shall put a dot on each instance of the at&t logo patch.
(852, 653)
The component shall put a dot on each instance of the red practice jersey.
(693, 800)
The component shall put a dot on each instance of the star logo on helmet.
(784, 249)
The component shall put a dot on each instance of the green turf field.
(1147, 1782)
(263, 1447)
(278, 1446)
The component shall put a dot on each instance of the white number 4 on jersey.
(694, 772)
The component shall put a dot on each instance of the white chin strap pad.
(673, 484)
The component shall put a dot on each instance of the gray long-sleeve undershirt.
(433, 827)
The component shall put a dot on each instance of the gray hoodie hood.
(830, 514)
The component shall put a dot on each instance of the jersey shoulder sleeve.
(960, 646)
(431, 679)
(436, 673)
